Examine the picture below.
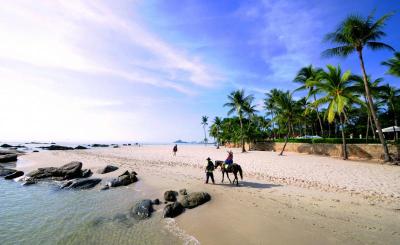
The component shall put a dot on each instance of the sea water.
(44, 214)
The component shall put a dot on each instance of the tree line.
(338, 103)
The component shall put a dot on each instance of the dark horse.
(234, 168)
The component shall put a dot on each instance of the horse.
(234, 168)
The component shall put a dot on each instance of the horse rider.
(229, 160)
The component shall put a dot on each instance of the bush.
(330, 141)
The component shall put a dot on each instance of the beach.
(290, 199)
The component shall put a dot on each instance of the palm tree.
(391, 95)
(250, 110)
(238, 103)
(204, 122)
(353, 35)
(269, 105)
(216, 130)
(339, 93)
(285, 112)
(305, 77)
(393, 64)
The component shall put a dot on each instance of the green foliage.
(329, 141)
(394, 65)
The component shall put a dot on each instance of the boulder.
(9, 151)
(67, 171)
(81, 184)
(8, 158)
(79, 147)
(156, 201)
(173, 209)
(142, 209)
(100, 145)
(71, 170)
(124, 179)
(6, 171)
(14, 175)
(195, 199)
(35, 151)
(57, 148)
(6, 146)
(170, 196)
(108, 169)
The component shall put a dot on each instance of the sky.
(146, 70)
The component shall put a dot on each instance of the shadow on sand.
(250, 185)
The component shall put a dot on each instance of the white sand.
(294, 199)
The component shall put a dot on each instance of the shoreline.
(269, 205)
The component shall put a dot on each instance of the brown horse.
(234, 168)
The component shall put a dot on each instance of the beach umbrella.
(390, 129)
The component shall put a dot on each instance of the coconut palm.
(204, 123)
(339, 92)
(216, 130)
(269, 105)
(390, 94)
(238, 103)
(353, 35)
(306, 76)
(393, 64)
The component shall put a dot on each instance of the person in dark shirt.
(175, 149)
(209, 171)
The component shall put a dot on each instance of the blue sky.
(148, 70)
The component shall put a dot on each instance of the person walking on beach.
(175, 149)
(209, 170)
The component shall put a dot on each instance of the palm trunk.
(373, 113)
(286, 140)
(241, 134)
(344, 148)
(329, 130)
(395, 124)
(319, 118)
(366, 134)
(205, 136)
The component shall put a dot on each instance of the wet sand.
(294, 199)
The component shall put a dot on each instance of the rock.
(170, 196)
(81, 184)
(29, 181)
(115, 146)
(100, 145)
(9, 151)
(173, 209)
(183, 192)
(35, 151)
(14, 175)
(6, 146)
(8, 158)
(67, 171)
(142, 209)
(86, 173)
(156, 201)
(195, 199)
(57, 148)
(108, 169)
(6, 171)
(79, 147)
(124, 179)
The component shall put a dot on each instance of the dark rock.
(71, 170)
(142, 209)
(156, 201)
(35, 151)
(79, 147)
(115, 146)
(100, 145)
(6, 146)
(29, 181)
(14, 175)
(108, 169)
(82, 184)
(8, 158)
(67, 171)
(86, 173)
(57, 148)
(6, 171)
(124, 179)
(106, 187)
(195, 199)
(170, 196)
(183, 192)
(9, 151)
(173, 209)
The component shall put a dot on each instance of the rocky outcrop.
(9, 151)
(108, 169)
(6, 171)
(170, 196)
(14, 175)
(195, 199)
(81, 184)
(86, 173)
(173, 209)
(67, 171)
(56, 148)
(100, 145)
(6, 146)
(156, 201)
(124, 179)
(8, 158)
(79, 147)
(142, 209)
